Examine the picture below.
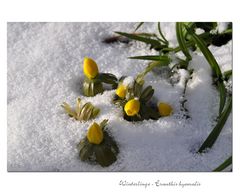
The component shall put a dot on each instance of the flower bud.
(90, 68)
(95, 134)
(132, 107)
(121, 91)
(164, 109)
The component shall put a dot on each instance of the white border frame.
(109, 10)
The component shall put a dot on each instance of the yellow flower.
(121, 91)
(90, 68)
(164, 109)
(132, 107)
(95, 134)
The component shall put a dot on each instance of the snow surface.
(45, 69)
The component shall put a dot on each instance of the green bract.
(92, 87)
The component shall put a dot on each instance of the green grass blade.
(224, 165)
(206, 52)
(161, 34)
(222, 93)
(212, 137)
(138, 26)
(154, 43)
(181, 40)
(153, 64)
(190, 25)
(189, 43)
(227, 74)
(213, 64)
(152, 58)
(228, 31)
(146, 35)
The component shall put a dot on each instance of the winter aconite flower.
(98, 145)
(93, 82)
(90, 68)
(121, 91)
(132, 107)
(164, 109)
(95, 134)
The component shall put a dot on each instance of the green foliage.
(92, 87)
(181, 40)
(163, 59)
(224, 165)
(153, 42)
(108, 78)
(206, 52)
(138, 26)
(146, 94)
(227, 75)
(164, 40)
(212, 137)
(213, 64)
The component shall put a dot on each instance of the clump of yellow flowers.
(93, 82)
(98, 146)
(137, 102)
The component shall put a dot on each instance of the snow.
(222, 26)
(128, 81)
(45, 69)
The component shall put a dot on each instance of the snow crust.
(45, 69)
